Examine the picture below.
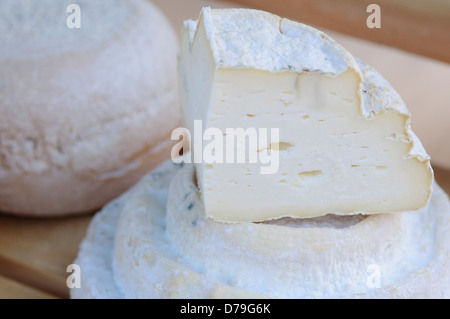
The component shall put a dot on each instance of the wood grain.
(10, 289)
(418, 26)
(36, 252)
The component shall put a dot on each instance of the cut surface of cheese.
(343, 144)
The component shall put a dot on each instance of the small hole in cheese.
(280, 146)
(308, 174)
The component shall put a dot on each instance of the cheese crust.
(155, 242)
(81, 109)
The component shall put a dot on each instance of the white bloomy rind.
(346, 145)
(84, 113)
(154, 241)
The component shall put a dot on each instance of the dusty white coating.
(244, 38)
(128, 247)
(33, 29)
(379, 96)
(81, 109)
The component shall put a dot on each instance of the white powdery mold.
(155, 242)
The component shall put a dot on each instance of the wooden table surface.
(35, 253)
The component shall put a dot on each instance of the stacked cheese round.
(159, 241)
(155, 242)
(88, 99)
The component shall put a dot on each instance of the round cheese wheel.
(88, 99)
(155, 241)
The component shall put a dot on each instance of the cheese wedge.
(344, 143)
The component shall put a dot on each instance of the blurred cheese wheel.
(84, 112)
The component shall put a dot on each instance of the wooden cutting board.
(35, 253)
(10, 289)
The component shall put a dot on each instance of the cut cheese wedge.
(343, 143)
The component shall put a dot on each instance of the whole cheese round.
(88, 99)
(155, 241)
